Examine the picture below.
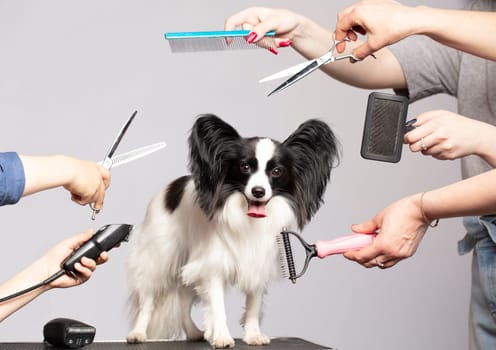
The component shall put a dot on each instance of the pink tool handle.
(344, 244)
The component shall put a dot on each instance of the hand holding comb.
(321, 249)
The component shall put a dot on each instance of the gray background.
(71, 72)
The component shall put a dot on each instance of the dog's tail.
(166, 317)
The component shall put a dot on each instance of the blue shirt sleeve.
(12, 179)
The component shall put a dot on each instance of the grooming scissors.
(110, 160)
(301, 70)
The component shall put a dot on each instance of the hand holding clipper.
(106, 238)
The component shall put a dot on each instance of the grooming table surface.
(275, 344)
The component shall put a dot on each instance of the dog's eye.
(276, 172)
(244, 167)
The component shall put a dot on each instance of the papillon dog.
(216, 228)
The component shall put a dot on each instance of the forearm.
(486, 145)
(311, 40)
(472, 196)
(455, 28)
(46, 172)
(25, 279)
(382, 72)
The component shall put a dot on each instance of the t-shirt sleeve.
(12, 179)
(429, 67)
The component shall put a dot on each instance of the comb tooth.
(217, 44)
(283, 263)
(286, 257)
(289, 257)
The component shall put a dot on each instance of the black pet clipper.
(385, 126)
(67, 333)
(106, 238)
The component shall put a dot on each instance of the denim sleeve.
(12, 180)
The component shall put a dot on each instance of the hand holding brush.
(321, 249)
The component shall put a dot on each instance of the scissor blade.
(298, 76)
(137, 153)
(285, 72)
(121, 133)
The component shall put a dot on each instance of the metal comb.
(220, 40)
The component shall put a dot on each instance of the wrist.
(37, 272)
(310, 39)
(65, 168)
(45, 270)
(423, 20)
(486, 148)
(303, 30)
(424, 212)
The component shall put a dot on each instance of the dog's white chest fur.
(241, 249)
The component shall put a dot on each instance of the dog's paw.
(256, 339)
(136, 337)
(222, 342)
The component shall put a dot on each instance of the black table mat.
(275, 344)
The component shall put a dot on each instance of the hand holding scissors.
(110, 160)
(302, 70)
(88, 183)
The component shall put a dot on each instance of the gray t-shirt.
(431, 68)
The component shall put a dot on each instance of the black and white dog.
(217, 228)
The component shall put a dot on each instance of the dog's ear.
(212, 143)
(315, 150)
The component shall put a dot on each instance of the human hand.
(447, 135)
(401, 228)
(85, 180)
(383, 21)
(88, 182)
(260, 20)
(53, 259)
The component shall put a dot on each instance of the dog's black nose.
(258, 191)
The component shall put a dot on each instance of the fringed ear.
(315, 151)
(212, 143)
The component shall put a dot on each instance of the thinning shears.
(110, 160)
(302, 70)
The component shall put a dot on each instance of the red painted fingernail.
(251, 37)
(274, 51)
(285, 43)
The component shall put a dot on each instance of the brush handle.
(344, 244)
